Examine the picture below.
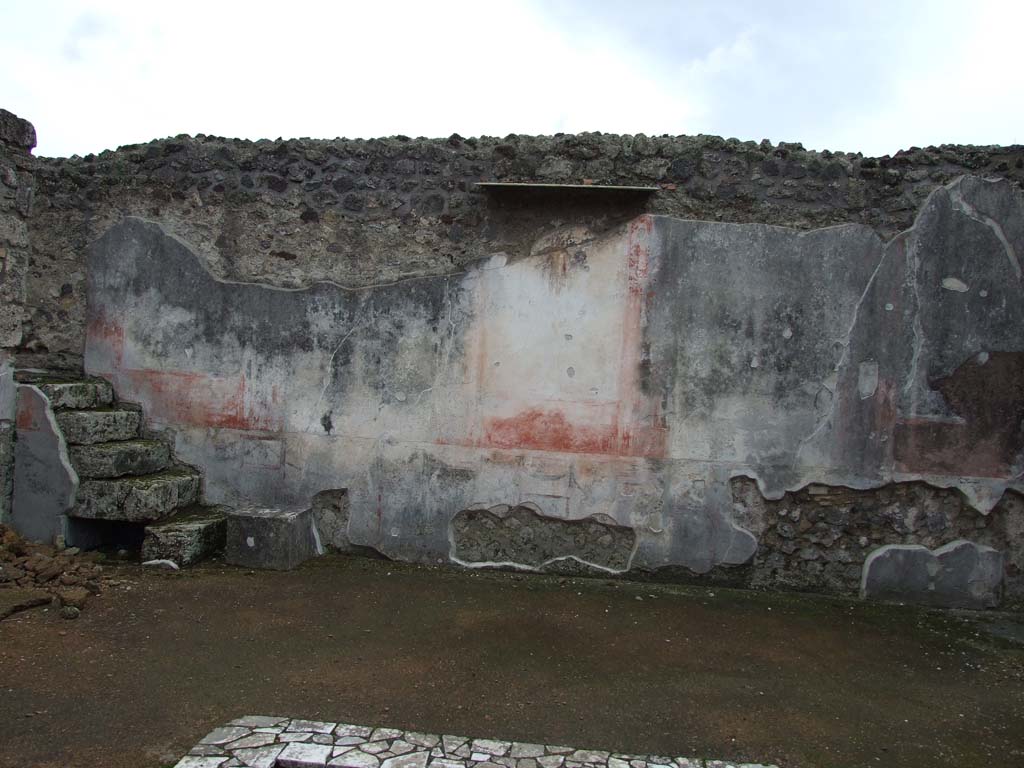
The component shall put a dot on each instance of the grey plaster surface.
(960, 574)
(631, 375)
(45, 484)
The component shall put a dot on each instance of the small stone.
(491, 747)
(168, 565)
(69, 612)
(298, 755)
(521, 749)
(554, 750)
(261, 757)
(479, 757)
(314, 726)
(589, 756)
(451, 743)
(253, 740)
(323, 738)
(375, 747)
(349, 741)
(76, 597)
(400, 747)
(224, 735)
(411, 760)
(427, 740)
(526, 762)
(448, 762)
(206, 750)
(386, 733)
(287, 738)
(550, 761)
(356, 759)
(190, 761)
(257, 721)
(344, 729)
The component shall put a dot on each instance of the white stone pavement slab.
(258, 741)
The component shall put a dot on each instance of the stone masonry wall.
(359, 213)
(818, 538)
(365, 214)
(17, 137)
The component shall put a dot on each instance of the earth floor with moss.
(159, 659)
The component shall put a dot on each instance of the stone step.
(117, 459)
(78, 395)
(99, 426)
(145, 498)
(187, 536)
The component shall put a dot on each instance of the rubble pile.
(68, 576)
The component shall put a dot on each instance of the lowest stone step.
(99, 426)
(187, 536)
(126, 457)
(145, 498)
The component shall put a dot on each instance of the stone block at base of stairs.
(280, 539)
(102, 426)
(144, 498)
(188, 536)
(125, 457)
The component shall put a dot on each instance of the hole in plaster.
(525, 537)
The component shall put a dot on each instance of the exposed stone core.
(523, 538)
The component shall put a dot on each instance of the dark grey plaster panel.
(45, 483)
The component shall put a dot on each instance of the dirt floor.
(153, 664)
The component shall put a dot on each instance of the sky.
(867, 76)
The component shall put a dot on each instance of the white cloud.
(965, 88)
(121, 73)
(869, 76)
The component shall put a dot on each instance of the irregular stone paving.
(256, 741)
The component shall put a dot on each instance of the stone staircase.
(126, 477)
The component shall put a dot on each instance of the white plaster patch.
(954, 284)
(867, 379)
